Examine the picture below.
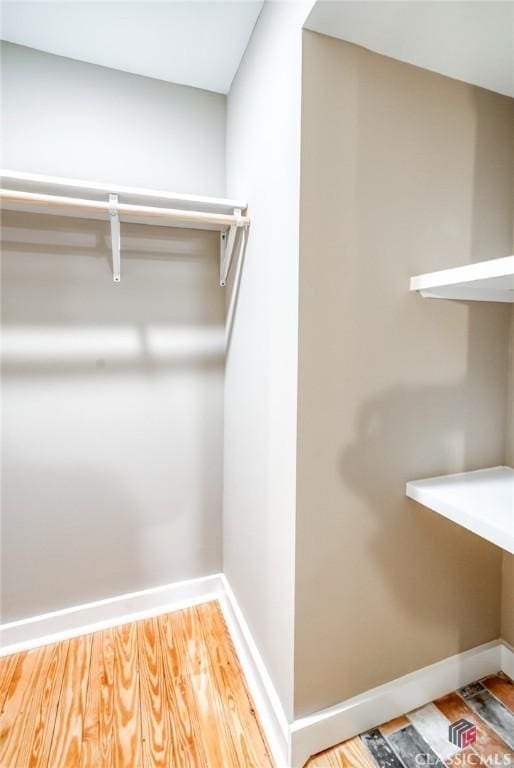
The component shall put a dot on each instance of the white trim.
(491, 280)
(507, 659)
(327, 727)
(480, 501)
(78, 620)
(264, 695)
(52, 184)
(291, 744)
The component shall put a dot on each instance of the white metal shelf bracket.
(227, 243)
(64, 197)
(115, 238)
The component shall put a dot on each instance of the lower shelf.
(481, 501)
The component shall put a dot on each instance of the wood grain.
(430, 722)
(409, 745)
(67, 735)
(47, 711)
(353, 754)
(495, 714)
(394, 725)
(237, 705)
(127, 746)
(7, 667)
(25, 731)
(396, 743)
(381, 750)
(18, 705)
(501, 687)
(327, 759)
(156, 730)
(167, 692)
(98, 716)
(488, 743)
(217, 740)
(180, 697)
(350, 754)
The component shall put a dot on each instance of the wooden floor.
(420, 738)
(166, 692)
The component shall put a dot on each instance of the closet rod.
(98, 206)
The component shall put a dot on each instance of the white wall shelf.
(484, 281)
(481, 501)
(34, 193)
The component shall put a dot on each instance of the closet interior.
(257, 384)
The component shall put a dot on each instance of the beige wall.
(403, 171)
(507, 619)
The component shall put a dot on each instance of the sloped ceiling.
(190, 42)
(470, 41)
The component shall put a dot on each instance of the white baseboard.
(325, 728)
(507, 659)
(265, 697)
(78, 620)
(291, 743)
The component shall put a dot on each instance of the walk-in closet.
(257, 384)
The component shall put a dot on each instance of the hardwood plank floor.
(183, 712)
(98, 718)
(157, 741)
(167, 692)
(421, 737)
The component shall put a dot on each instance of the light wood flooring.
(167, 692)
(421, 738)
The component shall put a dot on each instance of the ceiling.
(470, 41)
(201, 42)
(183, 41)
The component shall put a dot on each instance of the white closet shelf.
(483, 281)
(34, 193)
(481, 501)
(55, 185)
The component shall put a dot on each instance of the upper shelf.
(54, 185)
(481, 501)
(85, 199)
(484, 281)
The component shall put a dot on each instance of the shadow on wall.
(407, 433)
(410, 432)
(113, 411)
(234, 284)
(415, 169)
(407, 554)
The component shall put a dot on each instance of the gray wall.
(403, 172)
(263, 156)
(62, 117)
(112, 394)
(507, 621)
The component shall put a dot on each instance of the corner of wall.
(507, 604)
(259, 506)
